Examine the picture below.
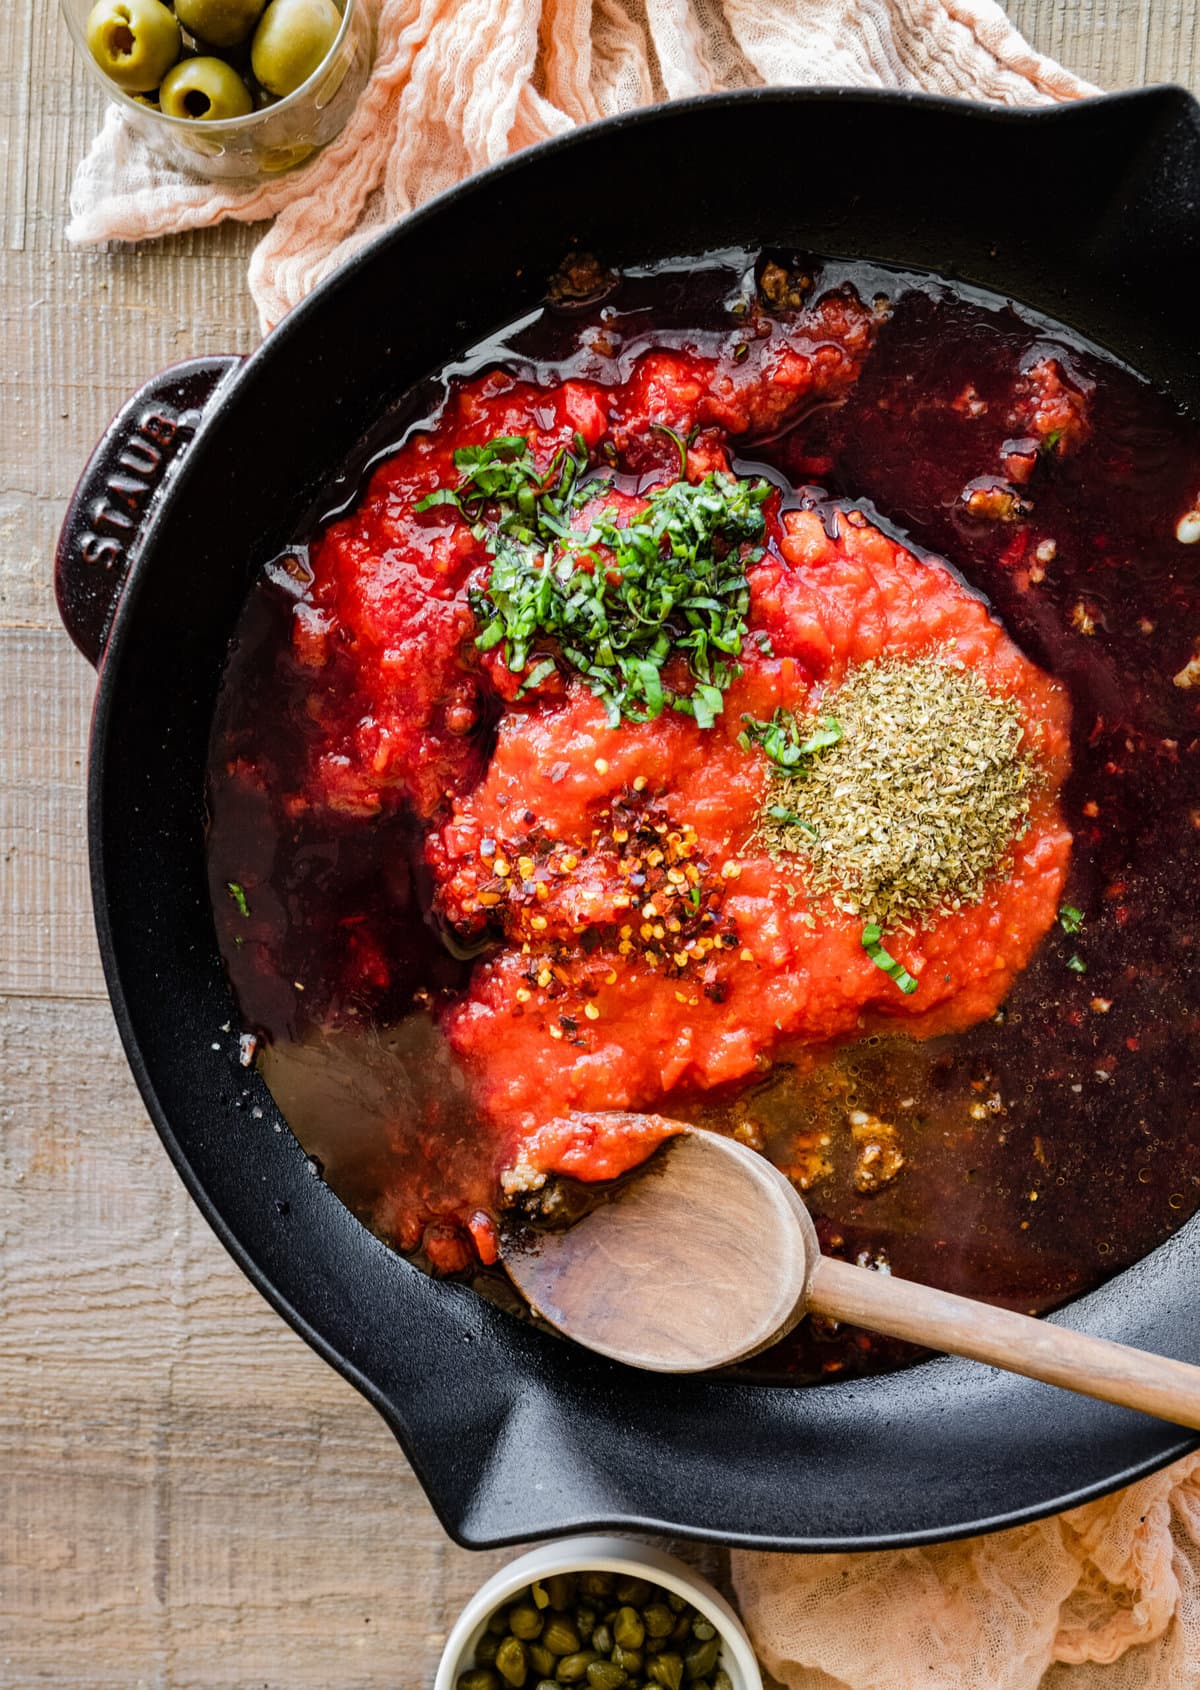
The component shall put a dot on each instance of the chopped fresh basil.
(539, 673)
(1076, 964)
(780, 738)
(622, 596)
(1070, 919)
(871, 935)
(781, 813)
(238, 894)
(680, 444)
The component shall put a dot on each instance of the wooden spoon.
(709, 1255)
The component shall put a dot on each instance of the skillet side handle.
(118, 492)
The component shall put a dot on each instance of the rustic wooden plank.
(48, 947)
(188, 1497)
(1116, 43)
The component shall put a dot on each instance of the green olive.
(207, 89)
(133, 41)
(292, 38)
(221, 23)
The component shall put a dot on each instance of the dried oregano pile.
(909, 794)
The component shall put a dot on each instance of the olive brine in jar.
(601, 1631)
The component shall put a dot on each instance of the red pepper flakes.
(674, 907)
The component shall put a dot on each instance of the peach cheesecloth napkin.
(1106, 1597)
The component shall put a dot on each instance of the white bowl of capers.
(600, 1613)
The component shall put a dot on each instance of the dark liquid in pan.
(1043, 1150)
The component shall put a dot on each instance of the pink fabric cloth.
(1106, 1597)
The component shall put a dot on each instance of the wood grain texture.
(188, 1497)
(1040, 1349)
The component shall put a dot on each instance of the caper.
(207, 89)
(572, 1667)
(701, 1684)
(676, 1602)
(596, 1584)
(585, 1619)
(498, 1623)
(524, 1621)
(221, 23)
(511, 1663)
(721, 1680)
(666, 1670)
(603, 1675)
(540, 1659)
(602, 1639)
(560, 1588)
(701, 1660)
(658, 1620)
(291, 40)
(479, 1678)
(135, 42)
(630, 1659)
(634, 1591)
(560, 1636)
(703, 1629)
(628, 1629)
(681, 1632)
(546, 1684)
(485, 1649)
(538, 1593)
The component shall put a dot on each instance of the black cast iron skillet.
(1089, 213)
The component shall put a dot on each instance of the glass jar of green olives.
(237, 89)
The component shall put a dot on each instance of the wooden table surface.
(188, 1496)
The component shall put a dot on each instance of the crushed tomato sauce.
(476, 919)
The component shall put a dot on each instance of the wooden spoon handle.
(941, 1321)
